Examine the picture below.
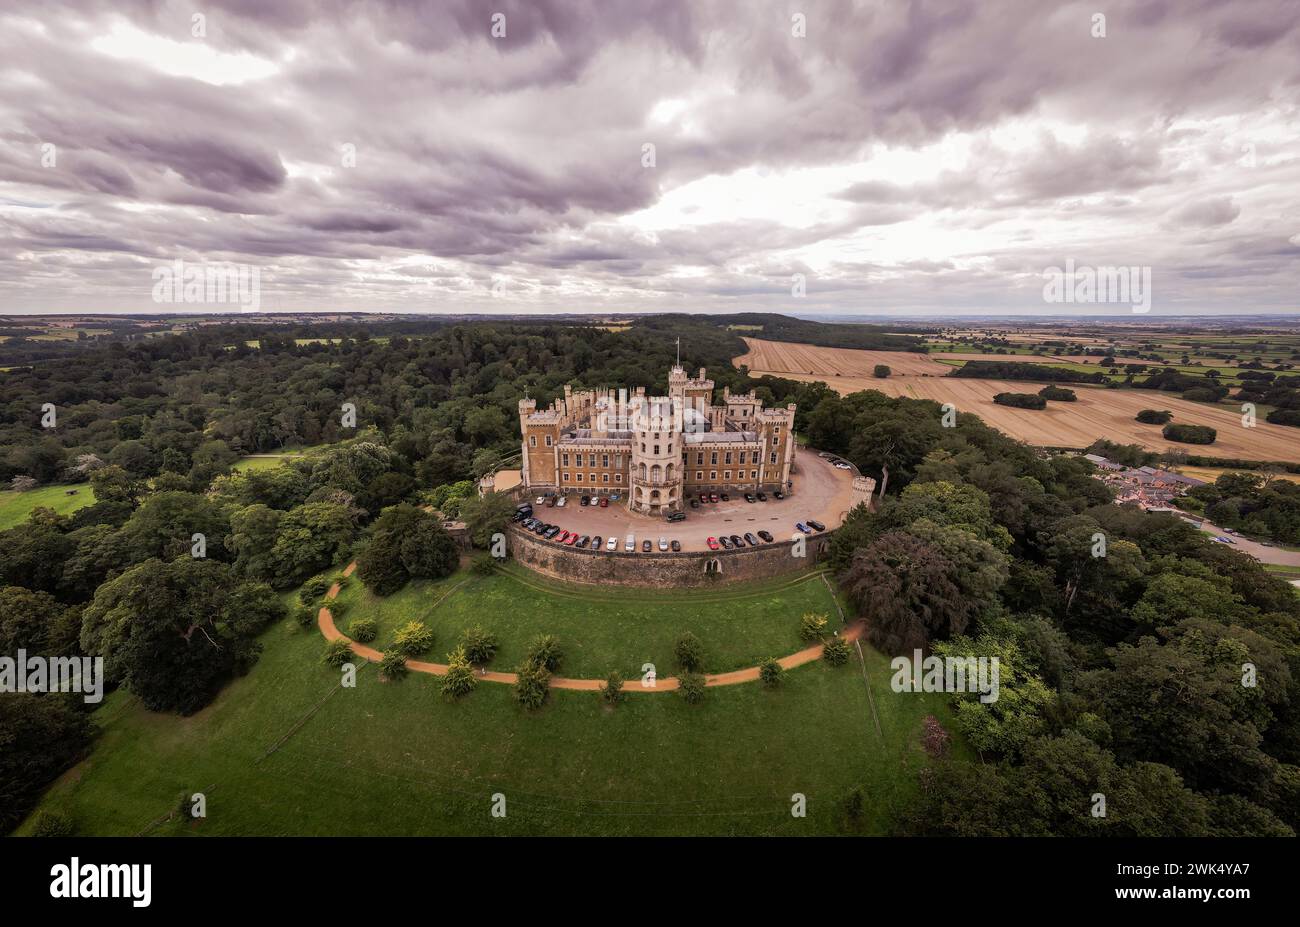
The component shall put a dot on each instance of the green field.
(286, 750)
(274, 459)
(16, 506)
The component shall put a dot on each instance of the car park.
(663, 542)
(816, 525)
(750, 539)
(646, 546)
(749, 497)
(762, 496)
(676, 545)
(612, 543)
(766, 536)
(713, 543)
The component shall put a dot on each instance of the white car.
(663, 543)
(842, 466)
(612, 543)
(541, 500)
(630, 545)
(559, 503)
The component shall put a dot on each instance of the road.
(1261, 553)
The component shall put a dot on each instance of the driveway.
(1261, 553)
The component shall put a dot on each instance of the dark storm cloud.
(523, 155)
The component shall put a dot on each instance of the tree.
(480, 646)
(337, 653)
(41, 736)
(485, 516)
(392, 666)
(611, 691)
(23, 484)
(407, 543)
(114, 484)
(545, 652)
(771, 672)
(691, 686)
(37, 622)
(836, 651)
(363, 630)
(812, 626)
(175, 632)
(165, 523)
(688, 651)
(412, 639)
(309, 538)
(897, 440)
(881, 371)
(532, 685)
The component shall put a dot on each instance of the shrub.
(1058, 394)
(689, 652)
(1154, 417)
(691, 686)
(934, 738)
(1202, 394)
(482, 566)
(881, 371)
(480, 646)
(1284, 417)
(342, 581)
(612, 691)
(459, 679)
(812, 626)
(52, 824)
(532, 685)
(364, 630)
(337, 652)
(770, 672)
(393, 666)
(313, 591)
(546, 653)
(836, 652)
(412, 639)
(1190, 434)
(337, 608)
(1021, 400)
(305, 616)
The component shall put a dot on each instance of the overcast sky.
(903, 157)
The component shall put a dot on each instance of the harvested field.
(1099, 412)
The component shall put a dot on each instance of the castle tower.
(656, 472)
(541, 434)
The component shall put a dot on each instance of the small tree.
(52, 824)
(338, 652)
(480, 646)
(882, 371)
(364, 630)
(691, 686)
(689, 652)
(532, 685)
(836, 652)
(482, 566)
(393, 666)
(934, 738)
(337, 608)
(412, 639)
(305, 616)
(612, 691)
(546, 653)
(812, 627)
(22, 484)
(459, 679)
(313, 591)
(770, 672)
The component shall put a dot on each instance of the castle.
(656, 451)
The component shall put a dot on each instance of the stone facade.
(663, 570)
(655, 451)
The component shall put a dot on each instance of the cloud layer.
(653, 155)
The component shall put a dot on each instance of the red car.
(713, 497)
(713, 543)
(704, 497)
(604, 503)
(564, 536)
(573, 536)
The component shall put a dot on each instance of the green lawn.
(285, 750)
(16, 506)
(273, 459)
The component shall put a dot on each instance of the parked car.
(573, 538)
(584, 541)
(1222, 540)
(585, 500)
(604, 502)
(596, 542)
(677, 516)
(736, 541)
(762, 496)
(750, 539)
(629, 545)
(646, 546)
(551, 532)
(550, 502)
(725, 542)
(725, 498)
(541, 500)
(777, 494)
(749, 497)
(612, 543)
(695, 503)
(800, 526)
(561, 502)
(518, 516)
(676, 544)
(713, 497)
(843, 466)
(704, 497)
(766, 536)
(713, 543)
(816, 525)
(663, 542)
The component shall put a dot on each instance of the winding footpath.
(325, 619)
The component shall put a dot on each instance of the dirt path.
(325, 619)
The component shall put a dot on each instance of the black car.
(676, 544)
(585, 500)
(551, 532)
(542, 528)
(762, 496)
(518, 516)
(646, 546)
(777, 494)
(766, 536)
(736, 541)
(724, 497)
(749, 497)
(751, 540)
(597, 542)
(583, 541)
(677, 516)
(816, 525)
(725, 542)
(695, 503)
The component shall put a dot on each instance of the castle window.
(713, 476)
(775, 440)
(728, 457)
(579, 477)
(773, 457)
(566, 477)
(604, 460)
(618, 477)
(699, 458)
(548, 440)
(532, 440)
(699, 476)
(656, 450)
(565, 462)
(604, 477)
(726, 476)
(713, 458)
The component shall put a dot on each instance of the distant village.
(1151, 488)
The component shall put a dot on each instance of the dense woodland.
(1123, 670)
